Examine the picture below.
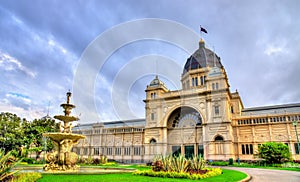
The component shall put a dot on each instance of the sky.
(107, 52)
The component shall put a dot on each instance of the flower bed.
(180, 167)
(209, 172)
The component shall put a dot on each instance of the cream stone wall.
(204, 117)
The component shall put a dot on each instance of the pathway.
(265, 175)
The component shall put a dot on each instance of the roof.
(112, 124)
(275, 109)
(201, 58)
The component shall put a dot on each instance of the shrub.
(110, 164)
(7, 163)
(28, 160)
(82, 160)
(274, 153)
(219, 163)
(96, 161)
(290, 165)
(103, 159)
(197, 163)
(171, 174)
(179, 164)
(230, 162)
(157, 166)
(27, 177)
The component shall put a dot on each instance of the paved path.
(266, 175)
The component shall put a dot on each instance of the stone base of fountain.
(62, 159)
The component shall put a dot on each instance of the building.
(204, 117)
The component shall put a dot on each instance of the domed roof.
(156, 82)
(202, 58)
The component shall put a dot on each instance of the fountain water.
(62, 159)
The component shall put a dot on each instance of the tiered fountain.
(62, 159)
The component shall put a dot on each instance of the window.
(85, 151)
(176, 150)
(118, 151)
(243, 149)
(153, 95)
(193, 82)
(152, 141)
(96, 151)
(137, 151)
(213, 86)
(217, 110)
(219, 138)
(232, 110)
(217, 86)
(247, 149)
(152, 116)
(196, 81)
(109, 151)
(202, 80)
(201, 150)
(297, 150)
(127, 151)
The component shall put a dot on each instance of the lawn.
(228, 175)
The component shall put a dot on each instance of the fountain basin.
(66, 119)
(58, 137)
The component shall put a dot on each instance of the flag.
(203, 30)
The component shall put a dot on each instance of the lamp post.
(295, 125)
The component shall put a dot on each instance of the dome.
(156, 82)
(202, 58)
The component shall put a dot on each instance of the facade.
(204, 117)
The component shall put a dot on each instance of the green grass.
(228, 175)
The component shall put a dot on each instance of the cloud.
(41, 43)
(9, 63)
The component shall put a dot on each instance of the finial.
(68, 96)
(201, 43)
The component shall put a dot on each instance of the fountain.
(62, 159)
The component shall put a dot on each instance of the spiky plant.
(7, 163)
(166, 162)
(197, 163)
(179, 164)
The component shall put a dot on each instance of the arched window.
(219, 138)
(152, 141)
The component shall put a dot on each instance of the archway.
(185, 132)
(184, 117)
(219, 144)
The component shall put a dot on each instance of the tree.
(17, 133)
(12, 135)
(274, 153)
(34, 134)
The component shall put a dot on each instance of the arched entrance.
(185, 132)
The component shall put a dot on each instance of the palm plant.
(197, 163)
(179, 164)
(7, 163)
(166, 162)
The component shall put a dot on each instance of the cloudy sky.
(44, 44)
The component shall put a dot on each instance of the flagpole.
(200, 33)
